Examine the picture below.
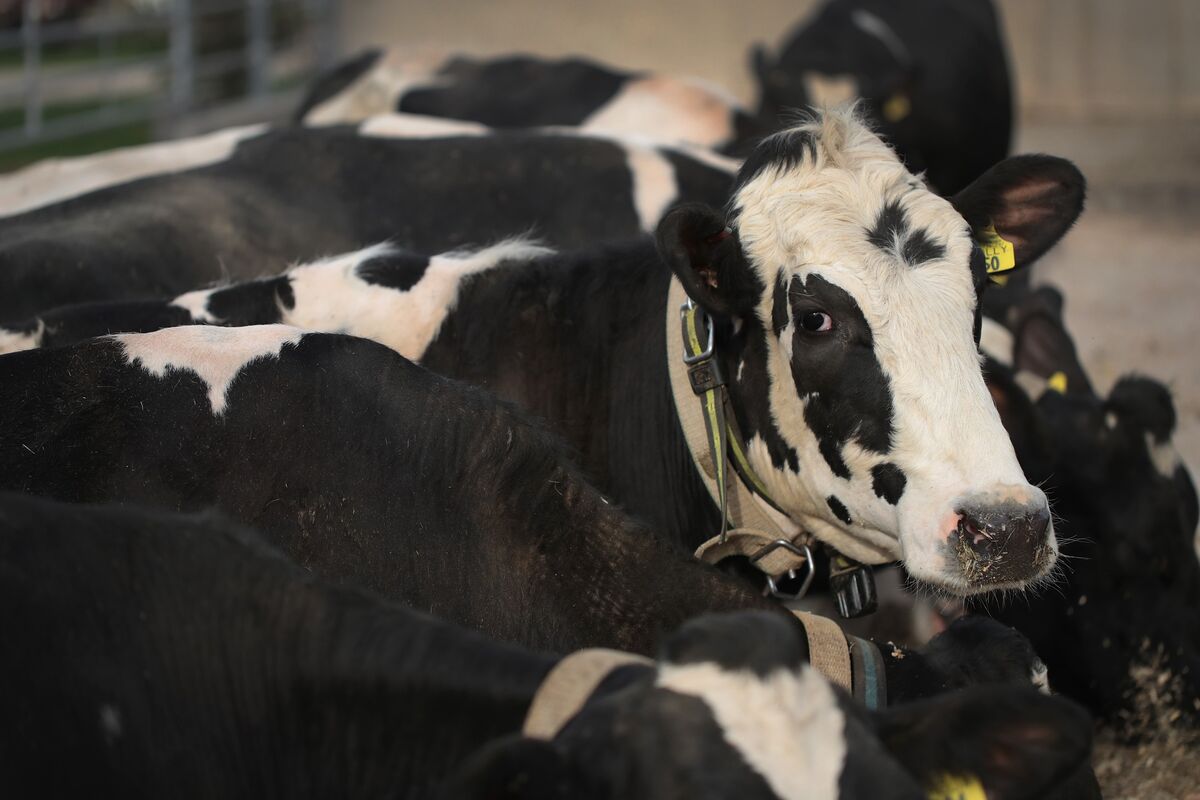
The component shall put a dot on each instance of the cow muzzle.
(1000, 539)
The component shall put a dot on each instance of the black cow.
(297, 194)
(527, 91)
(932, 75)
(847, 430)
(370, 470)
(1127, 509)
(166, 655)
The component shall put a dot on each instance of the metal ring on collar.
(810, 569)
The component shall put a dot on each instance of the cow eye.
(816, 321)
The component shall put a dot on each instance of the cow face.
(731, 710)
(846, 303)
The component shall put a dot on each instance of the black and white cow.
(168, 655)
(1126, 507)
(932, 75)
(368, 469)
(297, 194)
(844, 299)
(527, 92)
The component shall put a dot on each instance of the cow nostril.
(1001, 543)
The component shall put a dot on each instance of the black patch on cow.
(839, 509)
(1145, 404)
(847, 394)
(254, 302)
(779, 305)
(892, 234)
(919, 247)
(784, 151)
(761, 642)
(398, 270)
(890, 226)
(750, 386)
(336, 80)
(888, 481)
(517, 92)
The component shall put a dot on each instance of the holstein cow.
(368, 469)
(933, 75)
(297, 194)
(843, 299)
(169, 655)
(1122, 617)
(527, 92)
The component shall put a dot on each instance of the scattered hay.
(1148, 754)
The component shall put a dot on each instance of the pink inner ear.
(717, 238)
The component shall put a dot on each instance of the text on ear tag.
(897, 107)
(998, 252)
(955, 787)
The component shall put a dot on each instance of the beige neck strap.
(569, 685)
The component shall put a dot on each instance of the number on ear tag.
(998, 252)
(954, 787)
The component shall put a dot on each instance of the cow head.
(845, 295)
(731, 710)
(1120, 627)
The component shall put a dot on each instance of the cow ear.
(1002, 742)
(1021, 207)
(760, 63)
(516, 768)
(707, 258)
(1043, 347)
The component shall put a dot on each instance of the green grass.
(122, 136)
(122, 45)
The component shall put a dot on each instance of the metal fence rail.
(58, 99)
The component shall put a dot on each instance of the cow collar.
(761, 531)
(853, 664)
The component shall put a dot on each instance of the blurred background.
(1112, 84)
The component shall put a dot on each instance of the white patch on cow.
(873, 25)
(1039, 676)
(1032, 384)
(214, 354)
(1164, 456)
(379, 89)
(996, 341)
(812, 218)
(16, 341)
(56, 179)
(110, 723)
(787, 726)
(196, 304)
(829, 91)
(669, 109)
(654, 186)
(418, 126)
(331, 297)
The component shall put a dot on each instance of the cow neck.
(752, 524)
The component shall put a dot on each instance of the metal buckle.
(708, 350)
(802, 550)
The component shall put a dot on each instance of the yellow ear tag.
(998, 252)
(1057, 382)
(998, 279)
(897, 107)
(953, 787)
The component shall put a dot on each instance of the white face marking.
(947, 435)
(668, 109)
(1164, 455)
(57, 179)
(330, 297)
(417, 126)
(787, 726)
(216, 355)
(829, 91)
(379, 89)
(654, 187)
(996, 341)
(16, 341)
(110, 722)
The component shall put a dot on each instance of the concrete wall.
(1074, 59)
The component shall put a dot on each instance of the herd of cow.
(367, 455)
